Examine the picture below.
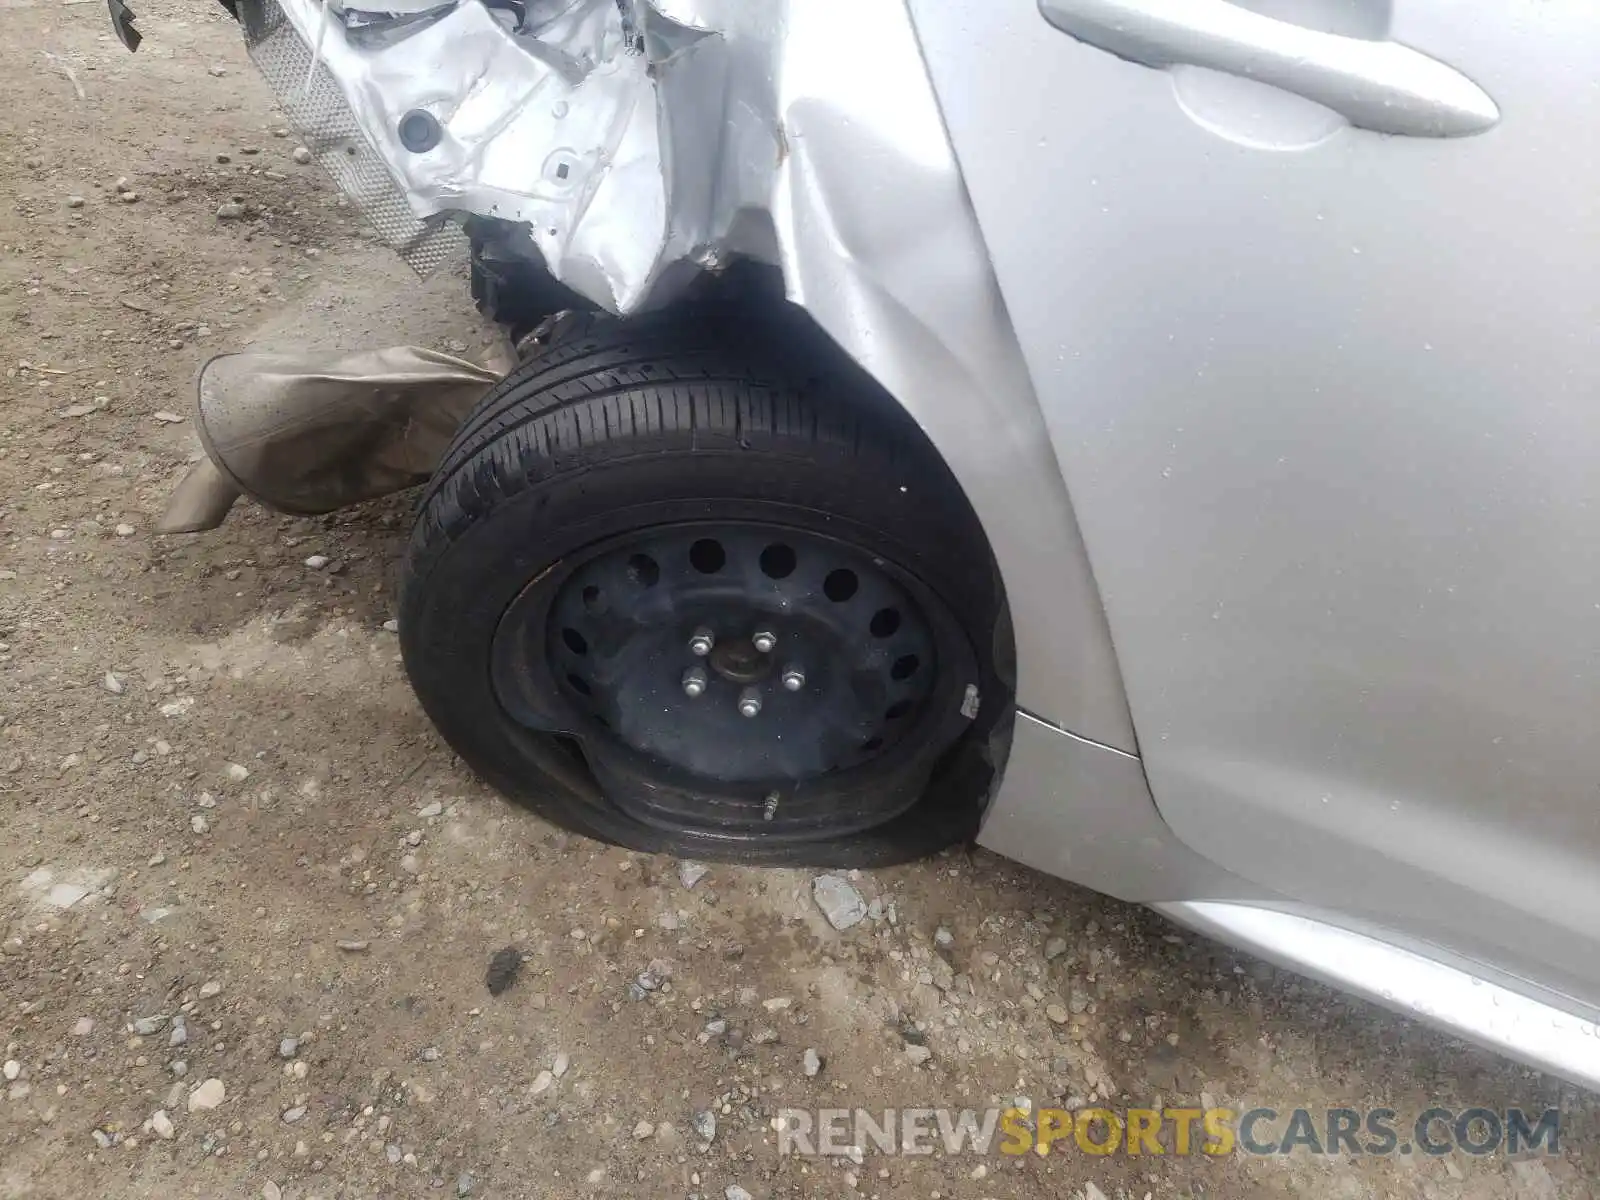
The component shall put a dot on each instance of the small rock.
(541, 1083)
(209, 989)
(75, 202)
(1092, 1192)
(839, 901)
(691, 873)
(705, 1124)
(1057, 1013)
(236, 772)
(430, 1054)
(207, 1096)
(149, 1026)
(562, 1062)
(596, 1175)
(943, 938)
(432, 809)
(410, 865)
(102, 1139)
(291, 1115)
(464, 1184)
(1055, 948)
(179, 1068)
(917, 1055)
(811, 1061)
(734, 1192)
(179, 1036)
(84, 1027)
(129, 197)
(393, 626)
(124, 530)
(112, 684)
(301, 155)
(230, 210)
(271, 1191)
(351, 945)
(643, 1130)
(11, 1070)
(317, 561)
(161, 1124)
(199, 824)
(392, 1153)
(167, 418)
(288, 1048)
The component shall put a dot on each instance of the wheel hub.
(724, 675)
(740, 662)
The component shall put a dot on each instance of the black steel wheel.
(704, 600)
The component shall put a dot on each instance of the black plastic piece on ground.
(504, 967)
(122, 19)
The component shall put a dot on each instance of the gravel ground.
(264, 936)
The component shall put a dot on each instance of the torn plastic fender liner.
(313, 433)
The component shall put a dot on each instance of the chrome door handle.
(1382, 86)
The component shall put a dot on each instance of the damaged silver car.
(1153, 439)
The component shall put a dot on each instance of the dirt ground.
(235, 851)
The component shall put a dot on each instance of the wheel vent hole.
(872, 744)
(884, 622)
(591, 598)
(644, 570)
(840, 585)
(777, 561)
(707, 556)
(904, 667)
(579, 683)
(897, 710)
(575, 641)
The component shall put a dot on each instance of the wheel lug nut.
(701, 641)
(764, 640)
(694, 682)
(793, 679)
(749, 702)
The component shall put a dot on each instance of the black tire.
(626, 425)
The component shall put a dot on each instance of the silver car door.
(1310, 292)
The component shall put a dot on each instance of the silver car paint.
(1168, 245)
(1324, 401)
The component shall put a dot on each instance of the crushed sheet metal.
(635, 142)
(316, 107)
